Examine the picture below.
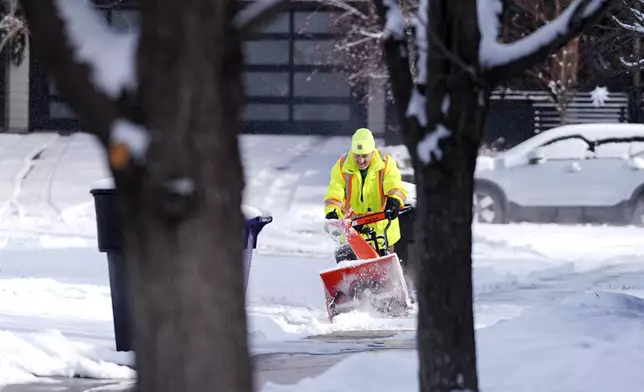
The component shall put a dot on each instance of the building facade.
(290, 85)
(293, 84)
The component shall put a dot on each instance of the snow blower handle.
(375, 217)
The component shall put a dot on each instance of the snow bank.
(526, 279)
(283, 323)
(48, 297)
(590, 245)
(587, 343)
(298, 232)
(373, 371)
(48, 354)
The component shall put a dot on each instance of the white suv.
(572, 173)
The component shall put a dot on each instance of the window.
(269, 84)
(636, 148)
(52, 88)
(266, 52)
(126, 21)
(280, 24)
(314, 22)
(322, 112)
(60, 110)
(566, 149)
(315, 53)
(320, 84)
(259, 111)
(611, 150)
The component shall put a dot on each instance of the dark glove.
(332, 215)
(392, 207)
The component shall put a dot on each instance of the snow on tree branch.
(343, 5)
(419, 22)
(599, 96)
(13, 32)
(631, 64)
(396, 55)
(500, 60)
(133, 137)
(254, 15)
(636, 28)
(418, 100)
(489, 18)
(416, 108)
(93, 68)
(110, 54)
(395, 22)
(428, 148)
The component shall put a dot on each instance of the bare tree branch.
(96, 110)
(397, 59)
(502, 61)
(251, 18)
(453, 57)
(13, 27)
(351, 10)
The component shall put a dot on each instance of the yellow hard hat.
(363, 142)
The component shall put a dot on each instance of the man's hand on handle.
(332, 215)
(392, 208)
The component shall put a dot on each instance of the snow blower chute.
(375, 278)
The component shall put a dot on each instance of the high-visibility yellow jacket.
(346, 190)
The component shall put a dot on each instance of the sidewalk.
(276, 368)
(48, 176)
(285, 369)
(45, 182)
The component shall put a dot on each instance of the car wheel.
(637, 218)
(488, 206)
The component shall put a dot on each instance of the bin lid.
(103, 186)
(251, 212)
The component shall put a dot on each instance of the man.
(365, 181)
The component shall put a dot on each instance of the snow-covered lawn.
(558, 308)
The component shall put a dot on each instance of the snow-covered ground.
(557, 307)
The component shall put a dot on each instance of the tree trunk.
(447, 352)
(445, 320)
(444, 149)
(181, 212)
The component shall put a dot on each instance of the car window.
(612, 150)
(566, 149)
(636, 148)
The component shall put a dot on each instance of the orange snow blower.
(375, 278)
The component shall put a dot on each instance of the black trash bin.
(406, 221)
(110, 242)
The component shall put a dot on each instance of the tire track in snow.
(316, 143)
(13, 207)
(50, 184)
(270, 185)
(273, 190)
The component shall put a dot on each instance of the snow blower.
(375, 278)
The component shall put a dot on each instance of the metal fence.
(517, 116)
